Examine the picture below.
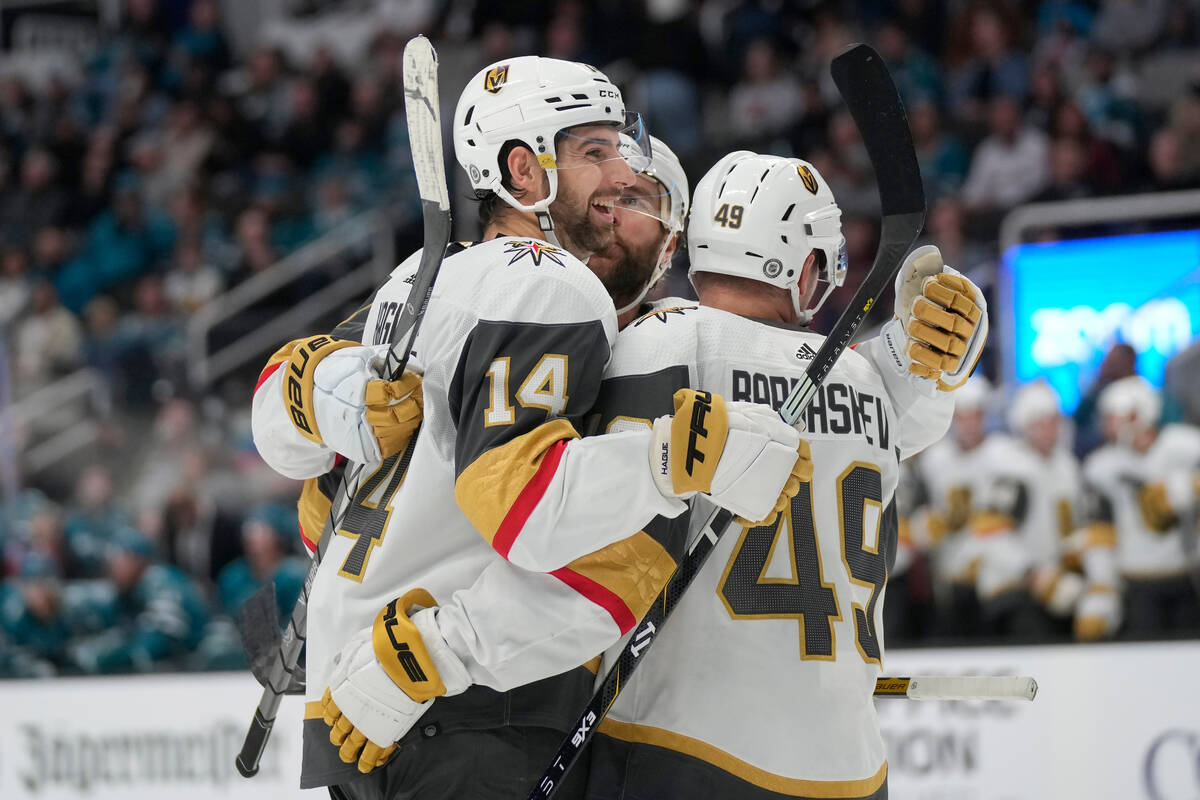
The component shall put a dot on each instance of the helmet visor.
(588, 145)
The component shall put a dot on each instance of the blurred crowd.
(174, 166)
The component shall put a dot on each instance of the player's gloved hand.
(1058, 590)
(741, 454)
(386, 677)
(336, 395)
(1098, 614)
(941, 323)
(1156, 508)
(802, 472)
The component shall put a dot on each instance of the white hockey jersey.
(497, 494)
(1023, 510)
(762, 681)
(1115, 477)
(954, 478)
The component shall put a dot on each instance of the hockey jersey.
(1022, 512)
(954, 479)
(497, 494)
(1115, 477)
(761, 684)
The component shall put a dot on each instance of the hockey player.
(1144, 488)
(1020, 522)
(761, 686)
(647, 226)
(952, 471)
(498, 494)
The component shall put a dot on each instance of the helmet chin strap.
(804, 315)
(546, 223)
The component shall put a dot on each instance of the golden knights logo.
(807, 177)
(495, 79)
(535, 250)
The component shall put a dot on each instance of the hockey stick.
(963, 687)
(864, 83)
(425, 140)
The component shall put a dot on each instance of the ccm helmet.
(529, 100)
(664, 167)
(758, 217)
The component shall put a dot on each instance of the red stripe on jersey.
(312, 548)
(266, 373)
(528, 499)
(609, 601)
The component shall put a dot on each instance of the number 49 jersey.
(761, 684)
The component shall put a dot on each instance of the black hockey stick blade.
(871, 96)
(425, 140)
(878, 113)
(258, 628)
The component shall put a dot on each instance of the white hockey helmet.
(664, 167)
(758, 217)
(974, 395)
(1134, 396)
(1032, 402)
(531, 100)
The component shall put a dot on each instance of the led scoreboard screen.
(1071, 300)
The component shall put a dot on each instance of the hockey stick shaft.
(871, 95)
(961, 687)
(425, 140)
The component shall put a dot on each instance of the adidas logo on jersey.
(806, 353)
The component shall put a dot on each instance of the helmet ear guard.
(759, 217)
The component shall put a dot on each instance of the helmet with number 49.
(758, 217)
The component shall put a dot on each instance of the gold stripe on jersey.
(1101, 534)
(987, 523)
(487, 489)
(313, 709)
(634, 569)
(593, 665)
(313, 510)
(796, 787)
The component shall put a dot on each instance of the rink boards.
(1110, 721)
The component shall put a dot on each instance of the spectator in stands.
(307, 134)
(264, 104)
(158, 614)
(333, 87)
(33, 627)
(1168, 166)
(267, 540)
(192, 282)
(36, 203)
(917, 76)
(1119, 362)
(985, 61)
(766, 101)
(122, 244)
(16, 286)
(1069, 177)
(947, 225)
(47, 343)
(1102, 164)
(1010, 165)
(93, 521)
(202, 41)
(1108, 97)
(942, 157)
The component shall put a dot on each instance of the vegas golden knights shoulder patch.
(806, 175)
(495, 79)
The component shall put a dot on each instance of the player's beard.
(576, 230)
(624, 269)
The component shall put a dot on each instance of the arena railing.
(371, 231)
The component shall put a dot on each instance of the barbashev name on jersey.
(836, 408)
